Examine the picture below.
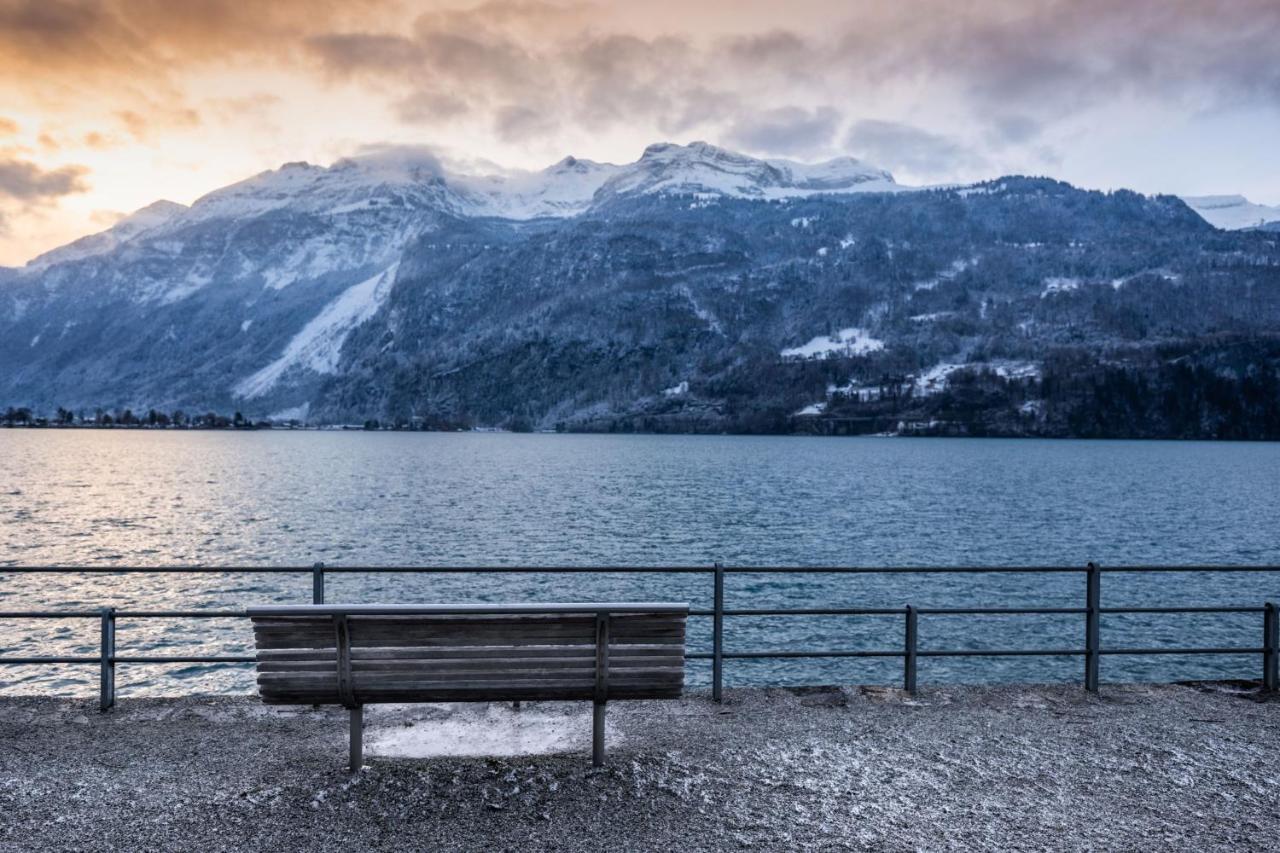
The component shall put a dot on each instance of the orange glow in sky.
(108, 105)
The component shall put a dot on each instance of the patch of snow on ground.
(676, 390)
(317, 346)
(812, 409)
(489, 729)
(957, 266)
(846, 342)
(934, 380)
(293, 413)
(929, 318)
(244, 327)
(822, 252)
(1059, 284)
(847, 241)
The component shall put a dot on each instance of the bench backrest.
(356, 655)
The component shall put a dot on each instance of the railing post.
(107, 675)
(717, 636)
(909, 656)
(1271, 648)
(317, 583)
(1092, 626)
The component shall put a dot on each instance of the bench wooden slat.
(286, 682)
(618, 664)
(444, 652)
(504, 693)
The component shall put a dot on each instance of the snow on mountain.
(387, 179)
(573, 186)
(401, 180)
(846, 342)
(1232, 212)
(703, 168)
(131, 227)
(564, 189)
(317, 345)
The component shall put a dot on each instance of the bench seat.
(355, 655)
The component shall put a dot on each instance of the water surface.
(103, 497)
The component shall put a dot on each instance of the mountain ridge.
(678, 292)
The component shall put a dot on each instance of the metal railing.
(910, 652)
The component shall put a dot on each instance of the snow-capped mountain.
(701, 168)
(390, 285)
(271, 274)
(131, 227)
(564, 189)
(1232, 212)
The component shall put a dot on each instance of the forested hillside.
(693, 290)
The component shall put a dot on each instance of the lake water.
(103, 498)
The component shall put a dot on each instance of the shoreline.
(345, 428)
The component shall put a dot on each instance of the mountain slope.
(660, 314)
(693, 289)
(1232, 212)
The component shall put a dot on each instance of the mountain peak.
(125, 230)
(702, 168)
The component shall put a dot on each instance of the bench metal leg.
(357, 738)
(597, 735)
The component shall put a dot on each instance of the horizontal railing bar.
(1197, 651)
(982, 653)
(41, 660)
(330, 570)
(180, 614)
(796, 611)
(623, 569)
(817, 653)
(1208, 609)
(752, 655)
(184, 659)
(999, 611)
(814, 611)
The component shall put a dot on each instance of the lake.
(105, 497)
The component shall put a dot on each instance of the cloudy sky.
(107, 105)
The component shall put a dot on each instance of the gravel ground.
(1153, 767)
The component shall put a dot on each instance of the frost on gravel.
(424, 731)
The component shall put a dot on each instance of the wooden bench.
(355, 655)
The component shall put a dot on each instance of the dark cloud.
(786, 130)
(1013, 129)
(514, 123)
(346, 54)
(133, 53)
(897, 146)
(25, 182)
(1047, 57)
(429, 107)
(698, 106)
(768, 48)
